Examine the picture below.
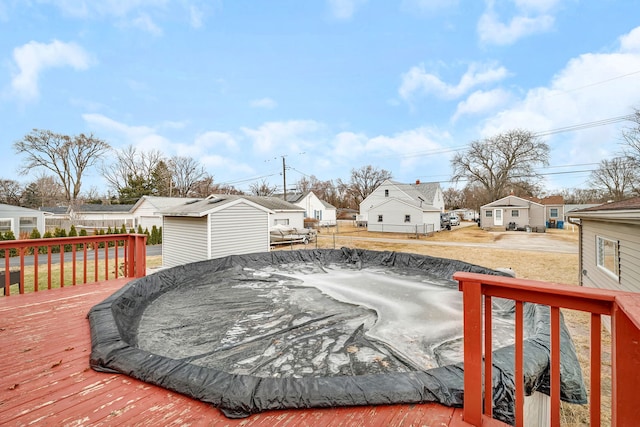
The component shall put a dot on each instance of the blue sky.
(331, 84)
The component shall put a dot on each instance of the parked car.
(444, 221)
(454, 219)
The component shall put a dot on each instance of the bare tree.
(617, 177)
(364, 181)
(10, 192)
(130, 164)
(185, 172)
(262, 188)
(498, 162)
(580, 196)
(631, 137)
(44, 191)
(453, 199)
(68, 157)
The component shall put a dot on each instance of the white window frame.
(606, 248)
(551, 213)
(281, 221)
(516, 212)
(488, 213)
(2, 230)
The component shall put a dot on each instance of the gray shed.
(20, 220)
(214, 227)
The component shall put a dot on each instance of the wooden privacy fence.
(71, 260)
(623, 307)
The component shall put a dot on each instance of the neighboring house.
(513, 210)
(217, 226)
(313, 207)
(553, 210)
(569, 209)
(21, 220)
(347, 214)
(609, 245)
(283, 213)
(398, 207)
(466, 214)
(90, 217)
(146, 211)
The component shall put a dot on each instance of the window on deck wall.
(608, 256)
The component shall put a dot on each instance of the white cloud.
(195, 16)
(418, 81)
(344, 9)
(590, 88)
(530, 17)
(289, 136)
(266, 103)
(33, 58)
(630, 43)
(144, 138)
(145, 23)
(350, 147)
(480, 102)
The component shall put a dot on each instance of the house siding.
(146, 216)
(239, 229)
(185, 240)
(628, 237)
(13, 214)
(393, 214)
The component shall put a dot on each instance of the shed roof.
(202, 207)
(162, 202)
(16, 209)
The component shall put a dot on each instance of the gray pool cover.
(318, 328)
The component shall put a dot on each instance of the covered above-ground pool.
(316, 328)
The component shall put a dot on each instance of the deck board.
(45, 378)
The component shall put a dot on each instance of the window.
(386, 193)
(515, 213)
(488, 214)
(553, 212)
(6, 224)
(407, 218)
(283, 221)
(27, 224)
(608, 256)
(379, 218)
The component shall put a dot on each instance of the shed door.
(497, 217)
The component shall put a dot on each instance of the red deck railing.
(91, 258)
(623, 307)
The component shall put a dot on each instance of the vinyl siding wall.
(145, 216)
(628, 237)
(184, 240)
(393, 216)
(239, 229)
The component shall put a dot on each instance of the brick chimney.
(417, 182)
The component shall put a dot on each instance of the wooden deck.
(45, 378)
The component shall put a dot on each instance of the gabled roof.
(549, 200)
(13, 208)
(420, 193)
(56, 210)
(215, 202)
(506, 202)
(297, 197)
(162, 202)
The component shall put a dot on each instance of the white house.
(146, 211)
(20, 220)
(514, 211)
(314, 207)
(282, 212)
(217, 226)
(398, 207)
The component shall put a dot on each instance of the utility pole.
(284, 179)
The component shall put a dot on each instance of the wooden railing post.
(472, 297)
(625, 366)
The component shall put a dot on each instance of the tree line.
(490, 168)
